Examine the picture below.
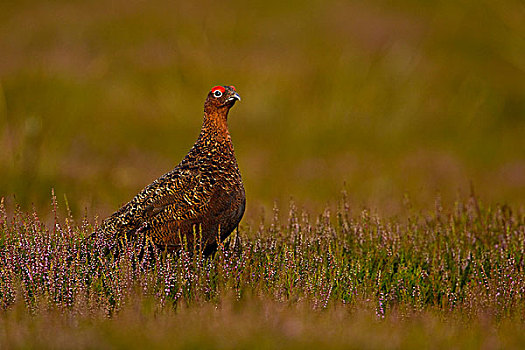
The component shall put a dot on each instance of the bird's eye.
(217, 93)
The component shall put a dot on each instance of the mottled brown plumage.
(200, 197)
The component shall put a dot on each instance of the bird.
(201, 201)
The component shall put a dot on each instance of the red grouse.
(202, 197)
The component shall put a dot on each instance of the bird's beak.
(234, 97)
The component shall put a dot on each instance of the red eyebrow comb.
(218, 87)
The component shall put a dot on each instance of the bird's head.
(221, 98)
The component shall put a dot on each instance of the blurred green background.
(382, 98)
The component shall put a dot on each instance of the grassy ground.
(453, 277)
(385, 100)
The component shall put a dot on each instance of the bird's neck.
(214, 132)
(215, 125)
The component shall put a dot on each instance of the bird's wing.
(178, 199)
(177, 195)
